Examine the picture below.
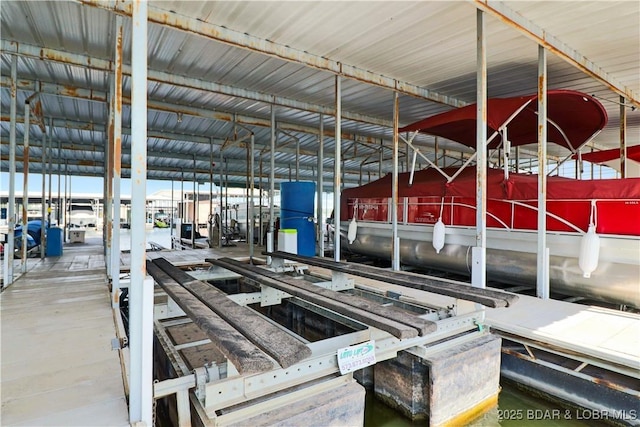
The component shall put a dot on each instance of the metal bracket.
(202, 377)
(115, 344)
(271, 296)
(340, 281)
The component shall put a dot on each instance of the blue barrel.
(54, 241)
(297, 200)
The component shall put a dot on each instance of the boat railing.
(363, 206)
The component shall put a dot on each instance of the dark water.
(515, 409)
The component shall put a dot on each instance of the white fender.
(438, 235)
(589, 252)
(353, 230)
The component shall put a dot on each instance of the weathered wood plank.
(403, 316)
(80, 262)
(487, 297)
(396, 329)
(282, 346)
(245, 356)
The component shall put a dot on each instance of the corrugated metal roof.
(198, 85)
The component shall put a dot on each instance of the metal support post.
(117, 164)
(623, 138)
(336, 171)
(211, 215)
(50, 167)
(43, 210)
(25, 187)
(251, 216)
(11, 214)
(272, 177)
(194, 198)
(58, 204)
(479, 252)
(107, 216)
(320, 192)
(140, 298)
(221, 234)
(542, 284)
(395, 240)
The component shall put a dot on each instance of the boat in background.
(593, 226)
(82, 215)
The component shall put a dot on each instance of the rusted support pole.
(479, 252)
(542, 284)
(107, 228)
(117, 163)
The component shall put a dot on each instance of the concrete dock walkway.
(57, 366)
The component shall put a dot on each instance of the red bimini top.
(574, 118)
(429, 183)
(602, 156)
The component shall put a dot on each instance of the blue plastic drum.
(297, 199)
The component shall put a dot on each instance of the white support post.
(107, 214)
(479, 252)
(140, 298)
(272, 187)
(43, 208)
(337, 170)
(623, 137)
(25, 188)
(542, 284)
(11, 209)
(117, 161)
(251, 216)
(320, 191)
(395, 240)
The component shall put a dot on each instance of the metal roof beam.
(48, 54)
(502, 12)
(239, 163)
(162, 134)
(100, 96)
(228, 36)
(155, 173)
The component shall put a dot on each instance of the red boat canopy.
(574, 118)
(430, 182)
(633, 153)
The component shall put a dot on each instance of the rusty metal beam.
(255, 44)
(163, 134)
(48, 54)
(97, 149)
(531, 30)
(101, 96)
(201, 171)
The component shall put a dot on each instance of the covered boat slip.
(591, 344)
(208, 90)
(580, 234)
(58, 364)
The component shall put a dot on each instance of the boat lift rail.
(487, 297)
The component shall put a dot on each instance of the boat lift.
(249, 368)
